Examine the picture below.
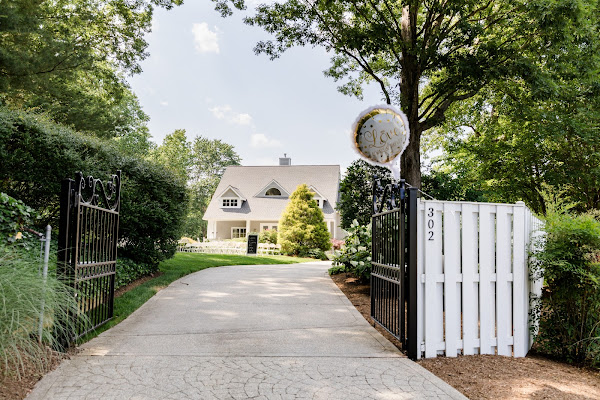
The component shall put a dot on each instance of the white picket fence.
(474, 287)
(222, 247)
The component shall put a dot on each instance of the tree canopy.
(69, 58)
(356, 192)
(199, 163)
(426, 56)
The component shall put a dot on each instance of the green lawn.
(180, 265)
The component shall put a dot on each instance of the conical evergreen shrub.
(302, 226)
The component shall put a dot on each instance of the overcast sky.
(203, 76)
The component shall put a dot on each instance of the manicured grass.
(179, 266)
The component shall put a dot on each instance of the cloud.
(225, 112)
(205, 40)
(260, 140)
(164, 103)
(242, 119)
(220, 111)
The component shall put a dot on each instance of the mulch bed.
(493, 377)
(14, 387)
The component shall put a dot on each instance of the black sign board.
(252, 244)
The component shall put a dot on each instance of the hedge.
(37, 154)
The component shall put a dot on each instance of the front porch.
(221, 230)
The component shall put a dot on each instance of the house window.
(268, 226)
(273, 192)
(318, 203)
(238, 233)
(230, 202)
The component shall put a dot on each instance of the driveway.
(240, 332)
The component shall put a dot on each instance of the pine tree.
(302, 226)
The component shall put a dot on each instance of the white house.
(252, 199)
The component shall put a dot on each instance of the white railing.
(222, 247)
(474, 284)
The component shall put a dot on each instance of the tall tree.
(356, 189)
(210, 157)
(69, 58)
(424, 55)
(517, 146)
(175, 154)
(201, 164)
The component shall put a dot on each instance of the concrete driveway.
(240, 332)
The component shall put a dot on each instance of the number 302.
(430, 223)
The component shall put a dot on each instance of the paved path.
(261, 332)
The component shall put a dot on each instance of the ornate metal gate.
(394, 250)
(87, 247)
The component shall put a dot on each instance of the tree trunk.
(410, 75)
(410, 164)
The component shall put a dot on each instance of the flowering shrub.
(355, 256)
(336, 244)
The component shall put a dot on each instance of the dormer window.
(273, 189)
(231, 198)
(273, 192)
(230, 202)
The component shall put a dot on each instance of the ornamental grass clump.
(23, 293)
(569, 311)
(355, 255)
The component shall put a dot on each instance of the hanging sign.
(380, 135)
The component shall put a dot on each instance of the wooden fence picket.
(520, 285)
(470, 275)
(451, 277)
(434, 289)
(487, 267)
(504, 279)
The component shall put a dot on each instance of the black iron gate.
(394, 250)
(87, 247)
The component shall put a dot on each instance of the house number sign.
(430, 223)
(381, 134)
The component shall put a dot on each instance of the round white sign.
(381, 134)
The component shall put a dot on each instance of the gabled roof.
(316, 192)
(251, 180)
(273, 184)
(234, 190)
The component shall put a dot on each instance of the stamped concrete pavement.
(241, 332)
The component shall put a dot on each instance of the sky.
(202, 76)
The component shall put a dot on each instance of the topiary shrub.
(355, 255)
(302, 225)
(569, 311)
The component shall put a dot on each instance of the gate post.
(412, 347)
(64, 257)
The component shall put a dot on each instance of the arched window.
(273, 192)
